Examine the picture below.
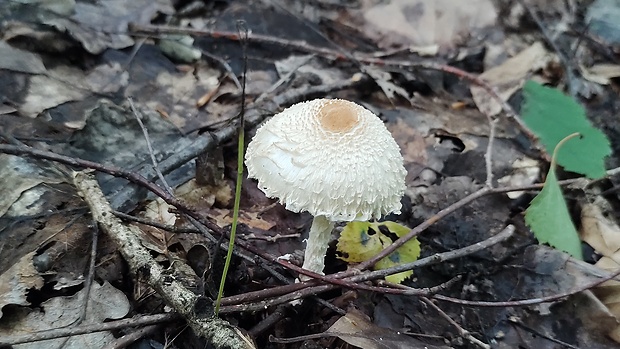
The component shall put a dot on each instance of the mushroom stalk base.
(316, 248)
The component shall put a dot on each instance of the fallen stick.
(196, 310)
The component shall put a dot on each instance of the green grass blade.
(233, 229)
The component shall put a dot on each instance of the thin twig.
(303, 289)
(91, 271)
(276, 316)
(462, 332)
(417, 230)
(133, 336)
(519, 323)
(147, 139)
(283, 79)
(269, 238)
(137, 321)
(166, 227)
(229, 71)
(531, 301)
(488, 155)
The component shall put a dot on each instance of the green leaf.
(548, 216)
(361, 241)
(551, 115)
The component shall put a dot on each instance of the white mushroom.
(332, 158)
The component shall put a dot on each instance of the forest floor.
(118, 159)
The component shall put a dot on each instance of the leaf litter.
(103, 302)
(68, 68)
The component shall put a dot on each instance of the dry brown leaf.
(159, 211)
(600, 232)
(509, 77)
(601, 73)
(17, 280)
(382, 78)
(603, 235)
(103, 24)
(18, 60)
(18, 177)
(356, 329)
(410, 140)
(104, 302)
(525, 171)
(413, 145)
(223, 217)
(174, 94)
(426, 22)
(205, 196)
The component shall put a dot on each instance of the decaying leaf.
(599, 231)
(603, 235)
(17, 176)
(356, 329)
(101, 25)
(562, 273)
(105, 302)
(17, 280)
(601, 73)
(601, 20)
(360, 241)
(160, 211)
(223, 217)
(205, 195)
(382, 78)
(426, 22)
(176, 93)
(61, 84)
(509, 77)
(525, 171)
(308, 67)
(49, 87)
(18, 60)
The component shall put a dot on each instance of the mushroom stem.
(317, 243)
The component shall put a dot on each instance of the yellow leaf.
(360, 241)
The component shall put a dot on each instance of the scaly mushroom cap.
(330, 157)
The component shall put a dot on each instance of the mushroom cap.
(330, 157)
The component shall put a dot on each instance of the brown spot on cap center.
(338, 116)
